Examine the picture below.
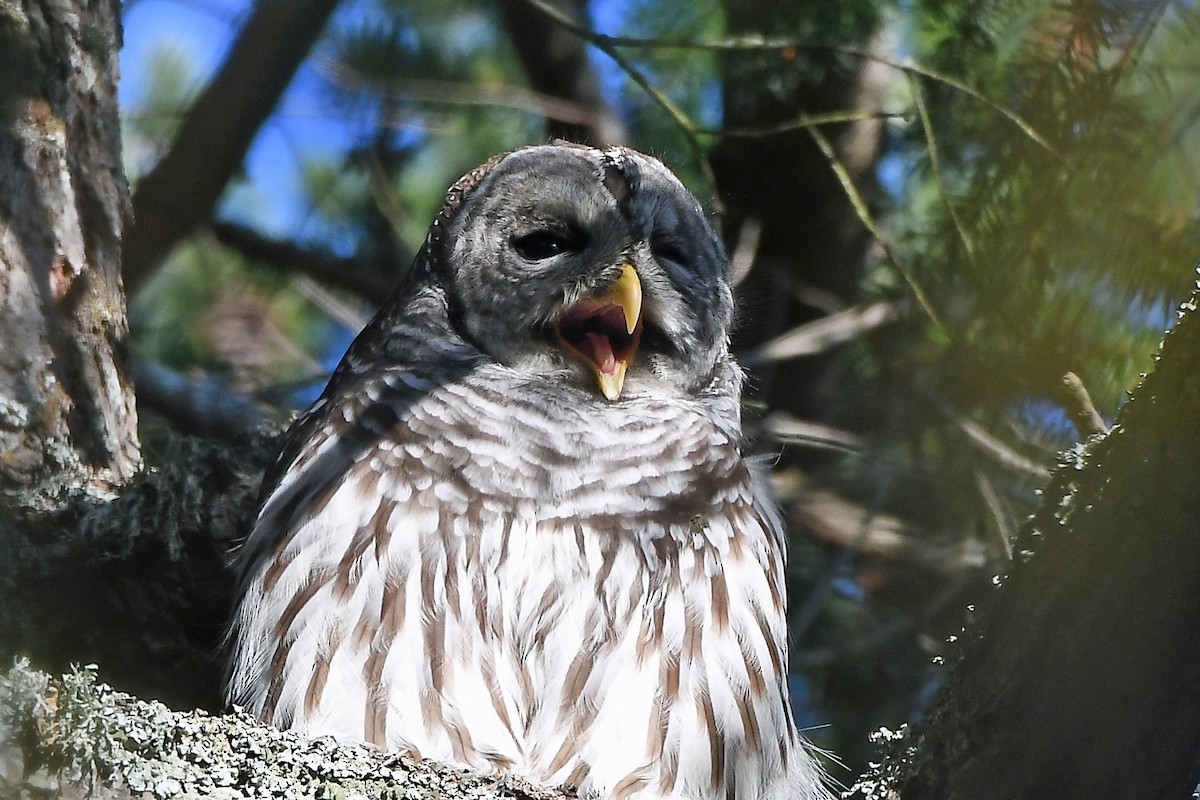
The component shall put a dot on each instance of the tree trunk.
(1081, 679)
(812, 249)
(67, 416)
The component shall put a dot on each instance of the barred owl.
(517, 531)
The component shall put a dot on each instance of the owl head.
(595, 267)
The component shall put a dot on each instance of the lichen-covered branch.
(77, 737)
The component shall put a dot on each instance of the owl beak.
(604, 331)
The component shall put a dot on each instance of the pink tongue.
(601, 352)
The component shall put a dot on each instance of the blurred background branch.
(180, 192)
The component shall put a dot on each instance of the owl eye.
(665, 249)
(540, 245)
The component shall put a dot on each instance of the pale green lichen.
(896, 754)
(58, 736)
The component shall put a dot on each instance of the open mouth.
(604, 331)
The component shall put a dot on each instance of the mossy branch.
(75, 736)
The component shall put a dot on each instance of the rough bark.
(180, 193)
(67, 417)
(1081, 677)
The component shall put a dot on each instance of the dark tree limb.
(373, 282)
(200, 406)
(1081, 677)
(141, 584)
(556, 63)
(180, 193)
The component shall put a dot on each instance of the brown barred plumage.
(517, 532)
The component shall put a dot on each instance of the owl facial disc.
(604, 331)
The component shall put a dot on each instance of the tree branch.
(1078, 404)
(141, 584)
(824, 333)
(81, 738)
(563, 115)
(181, 191)
(371, 281)
(201, 406)
(556, 64)
(846, 525)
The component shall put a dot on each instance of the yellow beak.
(604, 331)
(626, 293)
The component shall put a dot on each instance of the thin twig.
(818, 336)
(935, 162)
(783, 428)
(1132, 54)
(934, 75)
(989, 444)
(1003, 522)
(1080, 408)
(745, 251)
(750, 43)
(1004, 454)
(800, 123)
(864, 215)
(604, 44)
(349, 317)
